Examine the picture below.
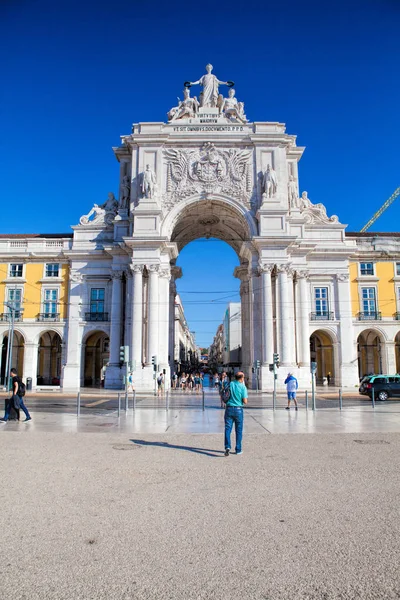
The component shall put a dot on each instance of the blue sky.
(77, 74)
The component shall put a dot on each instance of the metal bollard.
(167, 401)
(119, 404)
(78, 405)
(203, 400)
(126, 401)
(373, 398)
(313, 392)
(340, 399)
(306, 399)
(134, 399)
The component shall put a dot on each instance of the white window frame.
(46, 288)
(322, 283)
(51, 277)
(396, 274)
(90, 298)
(367, 262)
(13, 278)
(369, 287)
(7, 293)
(321, 287)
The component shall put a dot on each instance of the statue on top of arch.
(209, 97)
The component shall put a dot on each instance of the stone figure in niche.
(186, 108)
(125, 192)
(148, 182)
(270, 182)
(233, 109)
(292, 193)
(105, 213)
(209, 83)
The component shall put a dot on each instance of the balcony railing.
(48, 317)
(7, 316)
(396, 316)
(325, 315)
(369, 316)
(98, 316)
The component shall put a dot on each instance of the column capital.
(76, 277)
(285, 268)
(341, 277)
(304, 274)
(266, 267)
(153, 268)
(165, 272)
(137, 268)
(117, 274)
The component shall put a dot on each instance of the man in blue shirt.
(291, 387)
(234, 413)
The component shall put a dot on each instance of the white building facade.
(207, 172)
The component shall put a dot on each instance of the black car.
(384, 386)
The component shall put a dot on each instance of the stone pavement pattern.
(113, 516)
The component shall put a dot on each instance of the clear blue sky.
(77, 74)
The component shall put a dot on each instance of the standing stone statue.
(270, 182)
(209, 83)
(292, 193)
(148, 182)
(125, 192)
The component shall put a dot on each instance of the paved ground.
(116, 516)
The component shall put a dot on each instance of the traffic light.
(154, 362)
(123, 354)
(313, 367)
(271, 367)
(276, 359)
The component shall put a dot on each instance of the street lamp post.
(9, 344)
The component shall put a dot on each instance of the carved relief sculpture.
(103, 214)
(232, 109)
(292, 193)
(207, 170)
(148, 182)
(270, 182)
(187, 108)
(315, 213)
(125, 192)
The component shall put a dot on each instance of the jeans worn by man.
(234, 413)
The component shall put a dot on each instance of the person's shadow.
(206, 451)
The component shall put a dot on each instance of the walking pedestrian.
(160, 382)
(234, 412)
(223, 384)
(16, 399)
(291, 387)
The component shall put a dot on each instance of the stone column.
(71, 371)
(128, 312)
(137, 315)
(304, 316)
(286, 314)
(176, 273)
(163, 328)
(113, 376)
(267, 315)
(115, 325)
(348, 351)
(246, 333)
(153, 324)
(30, 362)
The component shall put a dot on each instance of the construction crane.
(382, 209)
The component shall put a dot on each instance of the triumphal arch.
(209, 171)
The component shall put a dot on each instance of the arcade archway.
(17, 355)
(322, 352)
(370, 344)
(96, 353)
(49, 359)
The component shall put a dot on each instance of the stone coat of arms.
(208, 170)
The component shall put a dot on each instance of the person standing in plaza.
(18, 391)
(291, 388)
(234, 412)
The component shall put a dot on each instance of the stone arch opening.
(370, 347)
(18, 348)
(322, 352)
(217, 219)
(49, 358)
(96, 354)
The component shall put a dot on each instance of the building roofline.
(5, 236)
(367, 234)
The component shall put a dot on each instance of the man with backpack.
(16, 400)
(291, 387)
(234, 396)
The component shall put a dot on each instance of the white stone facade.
(208, 172)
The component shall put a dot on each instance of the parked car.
(384, 386)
